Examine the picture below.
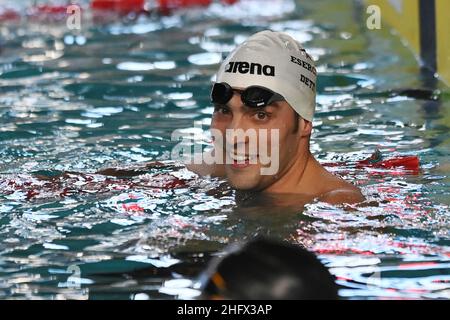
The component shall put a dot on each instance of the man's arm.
(204, 169)
(136, 171)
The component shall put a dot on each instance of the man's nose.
(238, 122)
(237, 133)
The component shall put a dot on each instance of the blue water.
(111, 95)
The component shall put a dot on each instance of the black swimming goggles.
(253, 96)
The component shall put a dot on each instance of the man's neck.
(296, 177)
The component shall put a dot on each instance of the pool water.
(111, 94)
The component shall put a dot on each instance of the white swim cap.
(276, 61)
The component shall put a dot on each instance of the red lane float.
(376, 161)
(125, 6)
(163, 6)
(119, 6)
(8, 15)
(38, 12)
(406, 162)
(410, 163)
(47, 13)
(48, 9)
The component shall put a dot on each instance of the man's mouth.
(241, 160)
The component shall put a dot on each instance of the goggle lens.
(253, 96)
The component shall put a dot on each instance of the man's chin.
(242, 186)
(242, 180)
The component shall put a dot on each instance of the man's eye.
(221, 109)
(261, 115)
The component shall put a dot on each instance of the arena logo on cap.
(250, 67)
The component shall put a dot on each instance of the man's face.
(246, 175)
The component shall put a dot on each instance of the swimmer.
(269, 82)
(264, 269)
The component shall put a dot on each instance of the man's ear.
(305, 127)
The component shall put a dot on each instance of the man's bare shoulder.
(347, 194)
(336, 190)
